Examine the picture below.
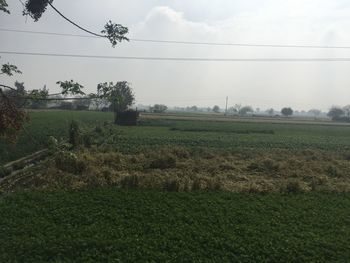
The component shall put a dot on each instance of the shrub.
(74, 134)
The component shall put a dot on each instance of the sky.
(300, 85)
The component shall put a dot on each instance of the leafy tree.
(270, 111)
(70, 87)
(232, 110)
(335, 112)
(315, 112)
(12, 117)
(159, 108)
(9, 69)
(245, 110)
(120, 95)
(3, 6)
(17, 95)
(38, 98)
(347, 110)
(194, 108)
(216, 109)
(287, 112)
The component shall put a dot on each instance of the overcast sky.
(301, 85)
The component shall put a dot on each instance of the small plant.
(74, 134)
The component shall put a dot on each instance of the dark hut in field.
(127, 118)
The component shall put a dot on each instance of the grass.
(149, 226)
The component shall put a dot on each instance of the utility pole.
(226, 105)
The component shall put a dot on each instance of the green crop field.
(178, 189)
(149, 226)
(189, 133)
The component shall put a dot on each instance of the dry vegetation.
(182, 169)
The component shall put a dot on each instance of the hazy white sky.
(301, 85)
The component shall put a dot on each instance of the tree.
(13, 117)
(335, 112)
(287, 112)
(38, 98)
(120, 95)
(232, 110)
(270, 111)
(315, 112)
(3, 6)
(347, 110)
(194, 108)
(159, 108)
(216, 109)
(245, 110)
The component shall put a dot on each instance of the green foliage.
(120, 95)
(335, 112)
(245, 110)
(3, 6)
(38, 98)
(115, 32)
(216, 109)
(70, 87)
(68, 162)
(287, 112)
(159, 108)
(74, 134)
(9, 69)
(35, 8)
(114, 225)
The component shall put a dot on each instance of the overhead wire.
(177, 41)
(188, 59)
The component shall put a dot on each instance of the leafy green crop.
(150, 226)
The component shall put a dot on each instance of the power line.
(181, 42)
(344, 59)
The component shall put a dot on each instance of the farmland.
(182, 155)
(149, 226)
(155, 132)
(178, 188)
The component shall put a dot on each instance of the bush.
(74, 134)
